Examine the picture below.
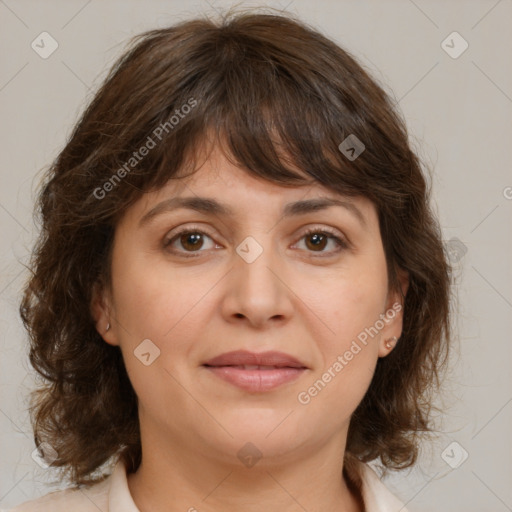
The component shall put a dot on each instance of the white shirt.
(113, 495)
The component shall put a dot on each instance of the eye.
(190, 239)
(317, 239)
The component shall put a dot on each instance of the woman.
(240, 295)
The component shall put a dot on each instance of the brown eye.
(191, 241)
(317, 241)
(188, 241)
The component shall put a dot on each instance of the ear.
(393, 315)
(102, 313)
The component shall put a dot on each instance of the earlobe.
(391, 333)
(102, 314)
(391, 342)
(387, 345)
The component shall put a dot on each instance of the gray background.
(459, 114)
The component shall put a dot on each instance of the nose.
(256, 290)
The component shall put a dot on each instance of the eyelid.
(186, 227)
(326, 229)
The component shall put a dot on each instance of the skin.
(308, 302)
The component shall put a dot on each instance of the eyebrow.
(213, 207)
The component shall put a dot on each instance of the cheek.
(169, 306)
(348, 348)
(150, 296)
(349, 301)
(350, 354)
(155, 302)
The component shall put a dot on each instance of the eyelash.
(342, 244)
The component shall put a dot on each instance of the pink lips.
(256, 372)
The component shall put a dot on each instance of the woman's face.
(248, 279)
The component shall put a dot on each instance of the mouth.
(249, 366)
(255, 372)
(256, 379)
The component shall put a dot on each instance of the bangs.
(260, 136)
(267, 117)
(277, 110)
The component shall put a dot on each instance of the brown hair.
(281, 96)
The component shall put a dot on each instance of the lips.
(253, 360)
(256, 373)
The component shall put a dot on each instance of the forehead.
(233, 190)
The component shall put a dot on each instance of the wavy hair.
(280, 95)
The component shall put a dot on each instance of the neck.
(191, 480)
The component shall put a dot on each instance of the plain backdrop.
(458, 107)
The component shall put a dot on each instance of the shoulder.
(84, 499)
